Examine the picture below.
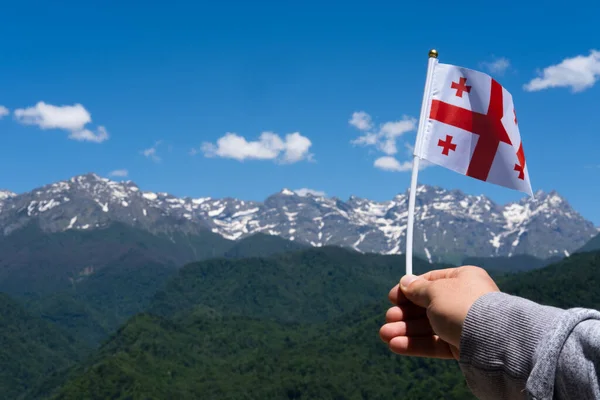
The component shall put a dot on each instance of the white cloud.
(393, 130)
(269, 146)
(578, 73)
(384, 138)
(3, 112)
(86, 135)
(296, 148)
(368, 139)
(70, 118)
(305, 192)
(361, 120)
(498, 66)
(388, 163)
(119, 172)
(47, 116)
(151, 152)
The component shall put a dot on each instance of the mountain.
(33, 260)
(262, 245)
(450, 225)
(89, 282)
(207, 353)
(6, 194)
(273, 301)
(592, 245)
(572, 282)
(518, 263)
(30, 349)
(312, 285)
(298, 285)
(99, 304)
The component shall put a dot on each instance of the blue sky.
(178, 76)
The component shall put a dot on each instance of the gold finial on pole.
(433, 53)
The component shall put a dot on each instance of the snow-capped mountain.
(449, 224)
(5, 194)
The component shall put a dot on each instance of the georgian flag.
(472, 128)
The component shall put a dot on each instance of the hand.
(430, 310)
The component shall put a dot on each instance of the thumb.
(416, 289)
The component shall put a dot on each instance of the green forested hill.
(592, 245)
(30, 349)
(213, 357)
(311, 285)
(261, 245)
(124, 268)
(207, 354)
(572, 282)
(34, 261)
(518, 263)
(303, 324)
(98, 305)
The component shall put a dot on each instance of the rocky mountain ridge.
(449, 225)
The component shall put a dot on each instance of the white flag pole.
(433, 54)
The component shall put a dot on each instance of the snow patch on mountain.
(6, 194)
(447, 222)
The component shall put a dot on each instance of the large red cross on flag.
(472, 128)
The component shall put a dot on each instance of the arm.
(512, 348)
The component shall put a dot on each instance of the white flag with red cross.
(471, 127)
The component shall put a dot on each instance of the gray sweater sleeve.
(512, 348)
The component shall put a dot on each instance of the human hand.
(430, 310)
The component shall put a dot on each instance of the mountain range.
(449, 225)
(134, 298)
(299, 325)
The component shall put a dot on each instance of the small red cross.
(520, 167)
(514, 112)
(488, 127)
(447, 145)
(520, 170)
(461, 87)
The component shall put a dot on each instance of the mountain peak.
(553, 198)
(90, 176)
(6, 194)
(446, 221)
(287, 192)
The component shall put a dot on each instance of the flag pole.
(433, 55)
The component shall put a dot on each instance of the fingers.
(438, 274)
(404, 312)
(400, 296)
(426, 346)
(418, 327)
(450, 273)
(396, 296)
(417, 290)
